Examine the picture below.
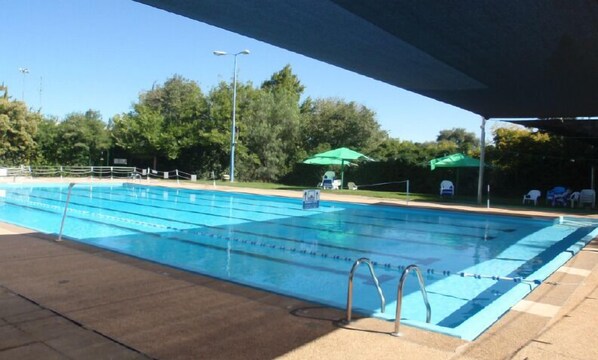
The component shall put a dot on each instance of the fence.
(101, 172)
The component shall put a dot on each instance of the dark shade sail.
(582, 130)
(499, 59)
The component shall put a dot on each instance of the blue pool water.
(273, 244)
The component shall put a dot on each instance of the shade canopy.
(343, 153)
(498, 59)
(341, 156)
(454, 161)
(324, 161)
(585, 130)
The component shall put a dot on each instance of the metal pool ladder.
(66, 206)
(422, 287)
(350, 291)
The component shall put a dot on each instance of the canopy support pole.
(482, 156)
(342, 173)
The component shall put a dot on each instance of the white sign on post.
(311, 199)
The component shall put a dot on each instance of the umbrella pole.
(457, 182)
(342, 173)
(482, 156)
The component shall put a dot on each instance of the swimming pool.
(273, 244)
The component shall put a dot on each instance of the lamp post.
(233, 127)
(23, 71)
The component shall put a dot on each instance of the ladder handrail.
(422, 287)
(66, 205)
(350, 288)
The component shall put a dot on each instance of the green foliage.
(177, 124)
(339, 124)
(272, 136)
(465, 142)
(81, 139)
(18, 127)
(164, 122)
(285, 81)
(523, 159)
(48, 142)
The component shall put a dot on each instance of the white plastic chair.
(352, 186)
(447, 188)
(574, 198)
(336, 184)
(587, 196)
(328, 180)
(532, 196)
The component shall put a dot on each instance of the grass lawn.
(502, 202)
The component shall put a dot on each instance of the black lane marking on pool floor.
(427, 231)
(318, 230)
(171, 192)
(422, 261)
(475, 305)
(215, 247)
(150, 190)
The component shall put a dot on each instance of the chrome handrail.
(350, 288)
(400, 296)
(66, 205)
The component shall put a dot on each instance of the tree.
(139, 132)
(272, 135)
(164, 122)
(465, 141)
(333, 123)
(48, 141)
(285, 81)
(81, 139)
(18, 127)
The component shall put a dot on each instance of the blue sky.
(100, 54)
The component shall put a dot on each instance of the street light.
(233, 127)
(23, 71)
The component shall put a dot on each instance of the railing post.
(350, 287)
(422, 287)
(66, 205)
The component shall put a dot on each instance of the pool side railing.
(101, 172)
(406, 272)
(350, 287)
(422, 287)
(66, 206)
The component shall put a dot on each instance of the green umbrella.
(340, 156)
(323, 161)
(454, 161)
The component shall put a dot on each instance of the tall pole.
(482, 156)
(23, 71)
(233, 130)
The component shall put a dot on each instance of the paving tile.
(536, 308)
(48, 328)
(10, 337)
(13, 305)
(37, 314)
(35, 351)
(86, 344)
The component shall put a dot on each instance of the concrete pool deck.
(65, 300)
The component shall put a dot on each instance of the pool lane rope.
(388, 266)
